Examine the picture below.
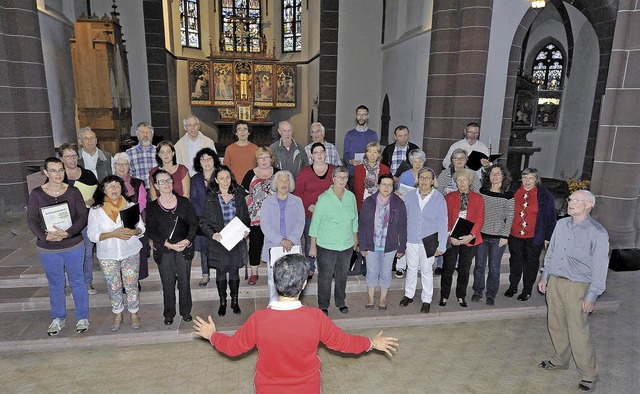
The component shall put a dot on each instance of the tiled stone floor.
(451, 350)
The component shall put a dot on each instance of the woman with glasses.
(172, 225)
(311, 182)
(446, 184)
(534, 219)
(365, 178)
(75, 173)
(166, 159)
(257, 182)
(204, 163)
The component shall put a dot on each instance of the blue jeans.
(488, 249)
(307, 244)
(379, 268)
(55, 264)
(87, 267)
(332, 264)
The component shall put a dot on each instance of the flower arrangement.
(575, 184)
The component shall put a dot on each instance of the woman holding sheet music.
(426, 219)
(382, 232)
(61, 248)
(468, 205)
(225, 200)
(281, 222)
(117, 247)
(172, 225)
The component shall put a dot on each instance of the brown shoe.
(135, 320)
(117, 320)
(253, 279)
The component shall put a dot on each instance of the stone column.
(328, 74)
(24, 105)
(457, 72)
(616, 168)
(157, 68)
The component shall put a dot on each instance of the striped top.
(498, 213)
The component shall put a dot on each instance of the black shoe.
(222, 310)
(310, 275)
(400, 273)
(438, 271)
(443, 302)
(426, 307)
(524, 297)
(325, 311)
(510, 292)
(476, 298)
(234, 306)
(491, 301)
(405, 301)
(168, 321)
(187, 317)
(139, 287)
(462, 302)
(344, 309)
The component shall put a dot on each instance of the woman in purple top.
(60, 246)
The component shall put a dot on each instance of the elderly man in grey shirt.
(574, 275)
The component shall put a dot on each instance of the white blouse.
(111, 248)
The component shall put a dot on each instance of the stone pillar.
(24, 105)
(616, 168)
(157, 68)
(457, 72)
(328, 73)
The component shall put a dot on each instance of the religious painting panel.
(199, 82)
(243, 80)
(263, 85)
(524, 109)
(223, 83)
(548, 109)
(286, 85)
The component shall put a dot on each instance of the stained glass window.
(548, 67)
(241, 30)
(291, 25)
(190, 23)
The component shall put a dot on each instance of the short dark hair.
(401, 127)
(238, 123)
(98, 196)
(213, 185)
(317, 144)
(472, 124)
(205, 151)
(289, 274)
(362, 106)
(385, 176)
(65, 146)
(48, 160)
(170, 145)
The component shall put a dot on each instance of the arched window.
(291, 25)
(547, 68)
(190, 23)
(240, 21)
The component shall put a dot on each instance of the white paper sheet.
(405, 191)
(278, 251)
(233, 233)
(56, 217)
(359, 156)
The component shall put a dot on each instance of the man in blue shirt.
(574, 275)
(356, 140)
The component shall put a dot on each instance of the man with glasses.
(469, 143)
(143, 155)
(91, 158)
(191, 142)
(317, 135)
(574, 275)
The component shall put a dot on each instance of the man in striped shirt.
(143, 155)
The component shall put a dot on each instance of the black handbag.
(358, 265)
(625, 260)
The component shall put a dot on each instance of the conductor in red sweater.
(287, 335)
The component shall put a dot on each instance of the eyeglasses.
(343, 177)
(161, 182)
(264, 158)
(70, 156)
(574, 200)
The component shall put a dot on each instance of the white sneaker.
(82, 326)
(91, 290)
(55, 327)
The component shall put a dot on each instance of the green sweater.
(334, 222)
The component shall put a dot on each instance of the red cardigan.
(358, 181)
(475, 212)
(287, 342)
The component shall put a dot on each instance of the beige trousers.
(568, 326)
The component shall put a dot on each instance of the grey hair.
(339, 169)
(318, 124)
(144, 124)
(82, 130)
(277, 175)
(118, 156)
(184, 120)
(534, 172)
(590, 197)
(290, 274)
(465, 172)
(455, 152)
(417, 154)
